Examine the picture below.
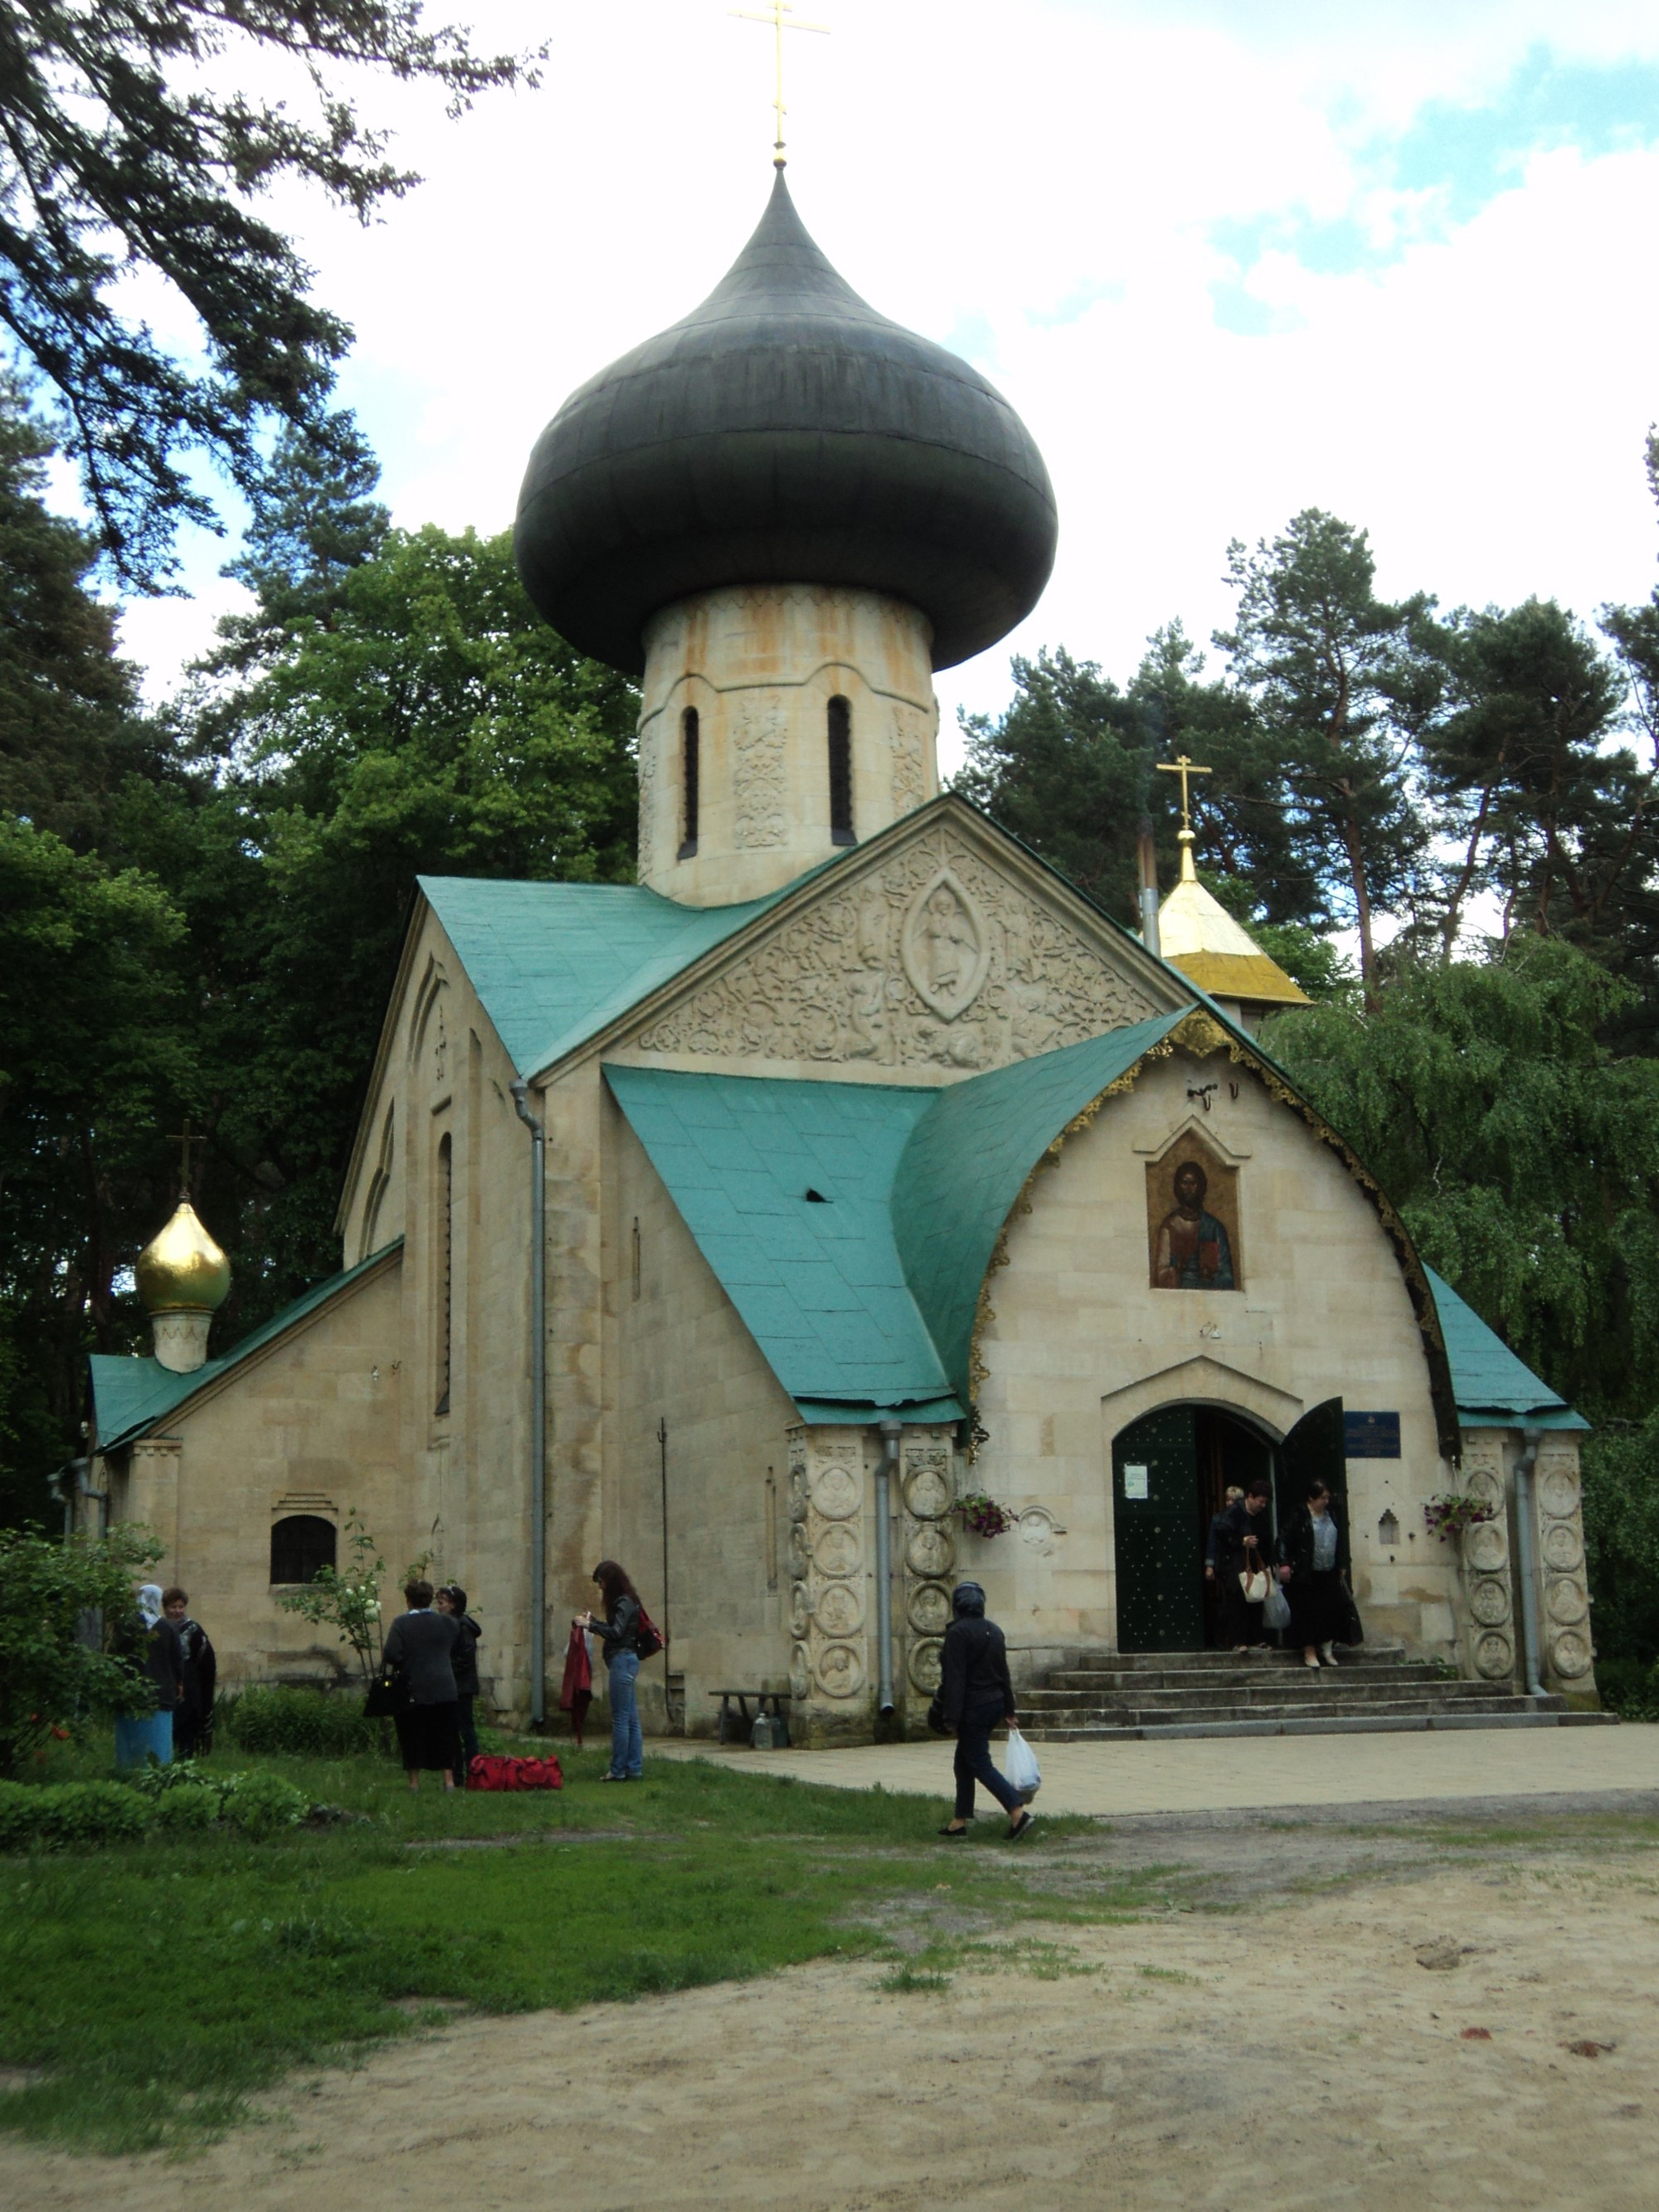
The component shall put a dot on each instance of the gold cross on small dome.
(780, 15)
(1184, 767)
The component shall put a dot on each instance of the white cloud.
(1049, 178)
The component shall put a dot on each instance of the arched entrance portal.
(1171, 1471)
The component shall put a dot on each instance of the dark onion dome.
(785, 432)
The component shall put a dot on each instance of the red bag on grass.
(491, 1771)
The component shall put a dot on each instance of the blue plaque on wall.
(1370, 1436)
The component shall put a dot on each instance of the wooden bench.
(777, 1699)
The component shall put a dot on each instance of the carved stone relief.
(759, 786)
(826, 1609)
(1568, 1650)
(1038, 1528)
(1570, 1655)
(1486, 1548)
(927, 1491)
(1005, 977)
(908, 739)
(1489, 1600)
(646, 765)
(1494, 1656)
(1487, 1584)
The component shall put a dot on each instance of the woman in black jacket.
(451, 1599)
(1244, 1540)
(619, 1633)
(1307, 1547)
(420, 1646)
(976, 1696)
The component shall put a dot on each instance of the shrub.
(1628, 1687)
(260, 1804)
(69, 1813)
(310, 1724)
(182, 1812)
(52, 1683)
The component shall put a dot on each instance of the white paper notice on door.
(1135, 1482)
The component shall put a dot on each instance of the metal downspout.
(1531, 1439)
(1147, 855)
(891, 1431)
(538, 1405)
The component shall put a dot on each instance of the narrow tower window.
(446, 1196)
(688, 783)
(840, 773)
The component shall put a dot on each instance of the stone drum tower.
(783, 513)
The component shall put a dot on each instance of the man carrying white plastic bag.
(976, 1696)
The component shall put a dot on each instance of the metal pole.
(891, 1431)
(1146, 851)
(538, 1406)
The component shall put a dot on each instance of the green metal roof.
(820, 1287)
(968, 1157)
(862, 1299)
(1492, 1387)
(553, 962)
(131, 1396)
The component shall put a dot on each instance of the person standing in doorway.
(976, 1696)
(1308, 1545)
(192, 1717)
(421, 1644)
(1213, 1547)
(451, 1599)
(1243, 1549)
(619, 1632)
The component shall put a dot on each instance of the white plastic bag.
(1022, 1770)
(1276, 1606)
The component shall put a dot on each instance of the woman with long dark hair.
(1308, 1547)
(619, 1632)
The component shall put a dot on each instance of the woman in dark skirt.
(1313, 1583)
(420, 1645)
(1243, 1540)
(452, 1599)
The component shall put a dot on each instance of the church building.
(741, 1223)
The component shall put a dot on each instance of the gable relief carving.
(935, 958)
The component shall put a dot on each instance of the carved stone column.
(832, 1665)
(1487, 1606)
(926, 1545)
(1568, 1657)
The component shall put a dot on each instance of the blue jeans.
(974, 1758)
(626, 1744)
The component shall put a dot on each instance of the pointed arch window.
(445, 1228)
(840, 773)
(689, 764)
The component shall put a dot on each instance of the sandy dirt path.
(1290, 2054)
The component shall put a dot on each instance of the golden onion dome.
(183, 1270)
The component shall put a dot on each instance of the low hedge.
(55, 1813)
(169, 1801)
(306, 1723)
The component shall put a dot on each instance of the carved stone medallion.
(798, 1493)
(946, 946)
(1489, 1601)
(1494, 1656)
(929, 1609)
(800, 1557)
(1039, 1528)
(1564, 1547)
(928, 1492)
(840, 1609)
(1486, 1548)
(1566, 1601)
(800, 1613)
(929, 1553)
(1570, 1655)
(1486, 1483)
(836, 1552)
(927, 1667)
(839, 1671)
(1558, 1492)
(801, 1673)
(836, 1491)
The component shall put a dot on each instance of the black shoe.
(954, 1835)
(613, 1778)
(1018, 1835)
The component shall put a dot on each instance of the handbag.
(1255, 1583)
(388, 1695)
(1353, 1629)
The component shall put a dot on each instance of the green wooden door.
(1159, 1539)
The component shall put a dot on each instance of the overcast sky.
(1228, 258)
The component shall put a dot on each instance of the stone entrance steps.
(1107, 1696)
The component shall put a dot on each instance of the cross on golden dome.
(1183, 766)
(781, 16)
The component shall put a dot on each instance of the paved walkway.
(1217, 1773)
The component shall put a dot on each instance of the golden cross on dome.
(186, 1142)
(1184, 767)
(781, 16)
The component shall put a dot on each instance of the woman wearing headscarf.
(619, 1633)
(149, 1643)
(975, 1697)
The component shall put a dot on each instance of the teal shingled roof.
(866, 1299)
(130, 1397)
(968, 1158)
(1493, 1388)
(553, 962)
(820, 1287)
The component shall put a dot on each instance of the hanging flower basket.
(1450, 1513)
(982, 1515)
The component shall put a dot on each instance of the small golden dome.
(183, 1270)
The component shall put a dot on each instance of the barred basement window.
(446, 1265)
(840, 773)
(689, 794)
(300, 1546)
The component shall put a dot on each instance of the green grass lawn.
(150, 1988)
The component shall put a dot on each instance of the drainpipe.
(1531, 1439)
(538, 1404)
(891, 1432)
(1148, 857)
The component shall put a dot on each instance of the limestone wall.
(1079, 1345)
(1491, 1555)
